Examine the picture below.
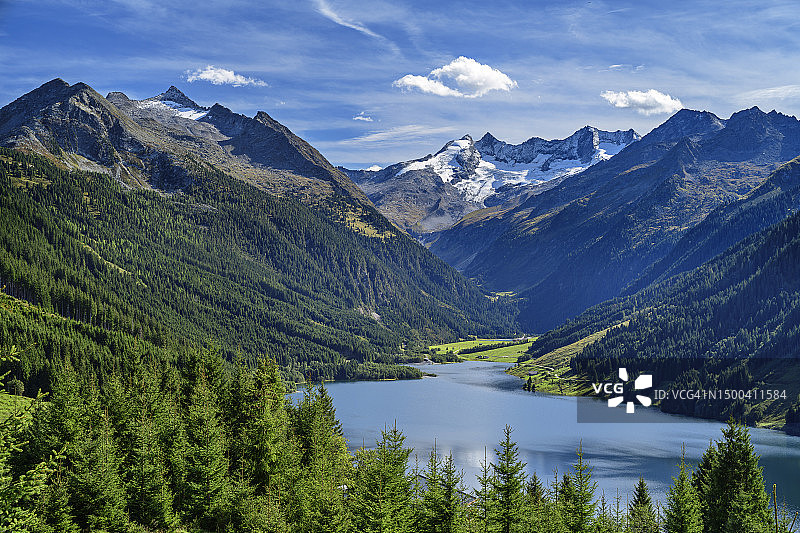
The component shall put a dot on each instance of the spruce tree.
(19, 494)
(485, 497)
(582, 498)
(206, 458)
(97, 493)
(381, 496)
(731, 474)
(441, 503)
(683, 506)
(641, 515)
(508, 480)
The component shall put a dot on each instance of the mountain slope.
(325, 286)
(593, 234)
(434, 192)
(146, 143)
(224, 261)
(772, 201)
(731, 323)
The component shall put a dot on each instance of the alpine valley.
(133, 227)
(146, 228)
(168, 268)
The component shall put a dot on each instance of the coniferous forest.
(162, 332)
(730, 324)
(200, 445)
(220, 260)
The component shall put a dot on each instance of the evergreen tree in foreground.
(683, 505)
(642, 517)
(730, 484)
(507, 482)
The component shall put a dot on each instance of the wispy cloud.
(772, 93)
(650, 102)
(222, 76)
(463, 77)
(398, 134)
(325, 9)
(362, 116)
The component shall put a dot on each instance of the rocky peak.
(684, 123)
(173, 94)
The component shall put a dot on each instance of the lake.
(465, 409)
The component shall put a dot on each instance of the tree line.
(731, 323)
(201, 445)
(222, 259)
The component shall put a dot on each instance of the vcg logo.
(617, 390)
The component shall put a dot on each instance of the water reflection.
(465, 408)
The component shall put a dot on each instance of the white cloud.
(222, 76)
(324, 9)
(398, 134)
(362, 116)
(650, 102)
(374, 168)
(772, 93)
(462, 77)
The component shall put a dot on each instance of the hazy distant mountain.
(434, 192)
(594, 233)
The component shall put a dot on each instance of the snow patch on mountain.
(175, 108)
(174, 102)
(479, 169)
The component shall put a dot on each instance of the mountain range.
(434, 192)
(160, 223)
(595, 233)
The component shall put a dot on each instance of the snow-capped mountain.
(435, 191)
(175, 102)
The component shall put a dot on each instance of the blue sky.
(383, 81)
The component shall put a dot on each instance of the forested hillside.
(732, 323)
(193, 447)
(220, 260)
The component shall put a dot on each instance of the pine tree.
(582, 497)
(641, 515)
(728, 474)
(683, 506)
(206, 458)
(508, 480)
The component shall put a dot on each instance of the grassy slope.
(552, 371)
(507, 354)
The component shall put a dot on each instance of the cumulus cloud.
(463, 77)
(363, 116)
(222, 76)
(374, 168)
(650, 102)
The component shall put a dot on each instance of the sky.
(373, 83)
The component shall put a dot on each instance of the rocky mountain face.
(432, 193)
(150, 143)
(596, 232)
